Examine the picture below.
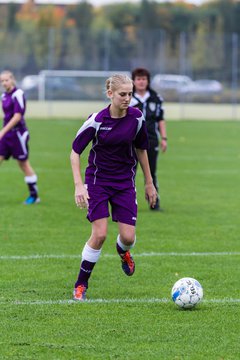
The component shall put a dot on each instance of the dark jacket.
(152, 109)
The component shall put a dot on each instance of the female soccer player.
(147, 100)
(119, 138)
(14, 135)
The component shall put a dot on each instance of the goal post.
(82, 84)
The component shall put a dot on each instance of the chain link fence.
(208, 62)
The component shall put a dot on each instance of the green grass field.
(197, 235)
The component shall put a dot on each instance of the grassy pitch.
(197, 235)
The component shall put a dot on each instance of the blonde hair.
(10, 74)
(116, 80)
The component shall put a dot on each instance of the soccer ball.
(187, 292)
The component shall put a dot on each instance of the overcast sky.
(99, 2)
(102, 2)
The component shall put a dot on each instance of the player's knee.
(101, 237)
(128, 239)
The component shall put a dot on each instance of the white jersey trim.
(96, 125)
(133, 102)
(18, 94)
(23, 141)
(140, 121)
(89, 123)
(143, 98)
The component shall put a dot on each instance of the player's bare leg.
(90, 255)
(31, 181)
(26, 167)
(99, 233)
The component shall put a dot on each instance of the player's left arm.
(150, 191)
(163, 134)
(13, 122)
(161, 123)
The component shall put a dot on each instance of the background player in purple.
(14, 135)
(119, 139)
(151, 104)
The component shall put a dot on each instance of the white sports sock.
(90, 254)
(30, 179)
(123, 246)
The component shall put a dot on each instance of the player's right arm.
(85, 134)
(18, 112)
(81, 193)
(13, 122)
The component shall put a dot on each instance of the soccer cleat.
(32, 200)
(79, 293)
(128, 264)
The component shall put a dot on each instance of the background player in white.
(14, 135)
(119, 138)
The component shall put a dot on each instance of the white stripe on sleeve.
(18, 94)
(89, 123)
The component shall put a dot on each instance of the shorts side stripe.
(22, 139)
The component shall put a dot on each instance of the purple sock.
(120, 250)
(33, 189)
(84, 273)
(31, 182)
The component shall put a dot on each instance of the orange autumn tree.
(43, 28)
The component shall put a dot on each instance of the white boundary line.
(115, 301)
(150, 254)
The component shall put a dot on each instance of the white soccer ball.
(187, 292)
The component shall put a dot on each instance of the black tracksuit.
(153, 112)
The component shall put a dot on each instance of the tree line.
(118, 35)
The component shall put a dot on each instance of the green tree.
(207, 51)
(72, 56)
(82, 15)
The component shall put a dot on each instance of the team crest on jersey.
(152, 106)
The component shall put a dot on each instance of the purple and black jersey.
(12, 103)
(112, 160)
